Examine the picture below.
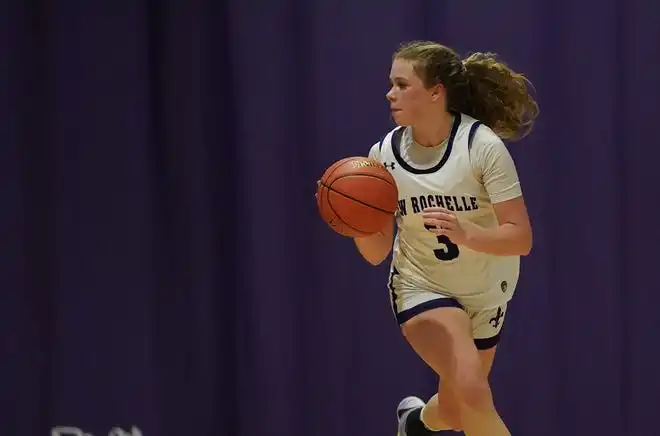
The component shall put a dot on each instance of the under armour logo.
(496, 320)
(389, 165)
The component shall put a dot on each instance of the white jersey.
(467, 174)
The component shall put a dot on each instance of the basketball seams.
(329, 188)
(360, 175)
(324, 197)
(329, 202)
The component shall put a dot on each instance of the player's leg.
(443, 338)
(406, 303)
(442, 411)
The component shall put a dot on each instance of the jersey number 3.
(449, 251)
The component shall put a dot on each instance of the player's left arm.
(513, 235)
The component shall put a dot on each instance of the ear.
(437, 92)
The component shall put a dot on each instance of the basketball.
(357, 196)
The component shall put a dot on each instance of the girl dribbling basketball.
(461, 224)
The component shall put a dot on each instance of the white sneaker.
(406, 406)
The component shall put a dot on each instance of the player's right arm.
(376, 248)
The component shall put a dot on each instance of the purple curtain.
(164, 265)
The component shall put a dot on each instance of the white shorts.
(486, 323)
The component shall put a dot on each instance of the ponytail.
(497, 96)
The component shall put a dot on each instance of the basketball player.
(462, 224)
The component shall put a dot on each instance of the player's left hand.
(444, 222)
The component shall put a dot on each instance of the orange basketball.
(357, 196)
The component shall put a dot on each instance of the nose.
(390, 95)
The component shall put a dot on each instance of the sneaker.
(406, 406)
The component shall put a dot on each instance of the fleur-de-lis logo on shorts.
(497, 319)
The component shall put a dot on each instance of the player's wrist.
(473, 235)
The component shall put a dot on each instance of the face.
(409, 100)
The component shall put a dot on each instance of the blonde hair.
(481, 86)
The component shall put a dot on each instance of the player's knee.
(473, 390)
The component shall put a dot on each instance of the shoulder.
(486, 147)
(493, 166)
(478, 136)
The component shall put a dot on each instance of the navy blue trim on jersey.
(393, 296)
(395, 140)
(396, 144)
(425, 307)
(473, 130)
(380, 144)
